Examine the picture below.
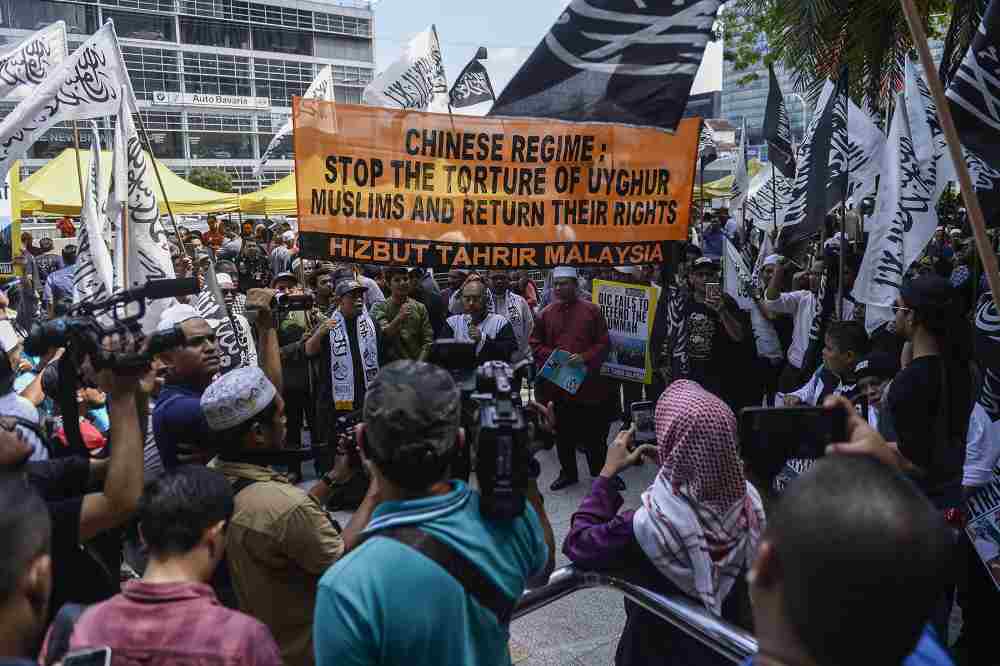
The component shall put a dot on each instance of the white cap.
(176, 314)
(225, 281)
(236, 397)
(288, 236)
(771, 260)
(628, 270)
(561, 272)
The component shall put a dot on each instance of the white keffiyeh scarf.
(342, 360)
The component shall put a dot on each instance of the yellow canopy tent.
(54, 189)
(276, 199)
(720, 189)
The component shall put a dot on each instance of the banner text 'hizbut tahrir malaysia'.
(387, 186)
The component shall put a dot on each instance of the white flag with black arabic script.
(321, 88)
(147, 253)
(32, 59)
(92, 273)
(904, 221)
(88, 84)
(415, 81)
(769, 193)
(737, 276)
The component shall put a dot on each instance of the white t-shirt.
(764, 334)
(802, 306)
(982, 448)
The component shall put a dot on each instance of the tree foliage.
(213, 179)
(814, 39)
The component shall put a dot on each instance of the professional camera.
(500, 430)
(504, 462)
(282, 304)
(86, 324)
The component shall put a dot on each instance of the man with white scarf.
(349, 351)
(492, 333)
(516, 310)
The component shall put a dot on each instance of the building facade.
(214, 78)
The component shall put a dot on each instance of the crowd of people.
(189, 482)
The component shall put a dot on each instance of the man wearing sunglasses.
(190, 361)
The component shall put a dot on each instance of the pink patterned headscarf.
(700, 521)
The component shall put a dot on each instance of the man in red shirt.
(172, 615)
(577, 327)
(214, 236)
(66, 227)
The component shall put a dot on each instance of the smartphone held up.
(770, 436)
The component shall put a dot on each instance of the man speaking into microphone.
(492, 334)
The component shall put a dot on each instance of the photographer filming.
(348, 348)
(387, 600)
(79, 513)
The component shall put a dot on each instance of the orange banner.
(387, 186)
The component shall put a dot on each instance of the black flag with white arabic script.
(974, 91)
(472, 86)
(778, 130)
(618, 61)
(707, 150)
(819, 190)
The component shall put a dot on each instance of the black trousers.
(584, 427)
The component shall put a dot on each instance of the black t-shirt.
(714, 357)
(915, 405)
(77, 576)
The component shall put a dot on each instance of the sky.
(510, 29)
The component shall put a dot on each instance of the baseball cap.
(705, 261)
(928, 291)
(236, 397)
(345, 287)
(288, 236)
(877, 364)
(412, 405)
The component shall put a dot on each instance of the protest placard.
(983, 525)
(628, 310)
(390, 186)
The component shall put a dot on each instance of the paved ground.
(582, 628)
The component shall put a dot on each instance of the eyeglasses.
(900, 308)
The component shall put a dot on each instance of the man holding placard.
(578, 328)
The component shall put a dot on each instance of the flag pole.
(972, 207)
(79, 169)
(156, 170)
(843, 204)
(774, 198)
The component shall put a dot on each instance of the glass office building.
(744, 95)
(214, 78)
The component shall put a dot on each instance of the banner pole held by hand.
(975, 211)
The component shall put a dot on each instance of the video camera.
(504, 455)
(282, 304)
(83, 328)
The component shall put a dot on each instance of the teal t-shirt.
(385, 603)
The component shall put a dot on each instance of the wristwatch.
(328, 479)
